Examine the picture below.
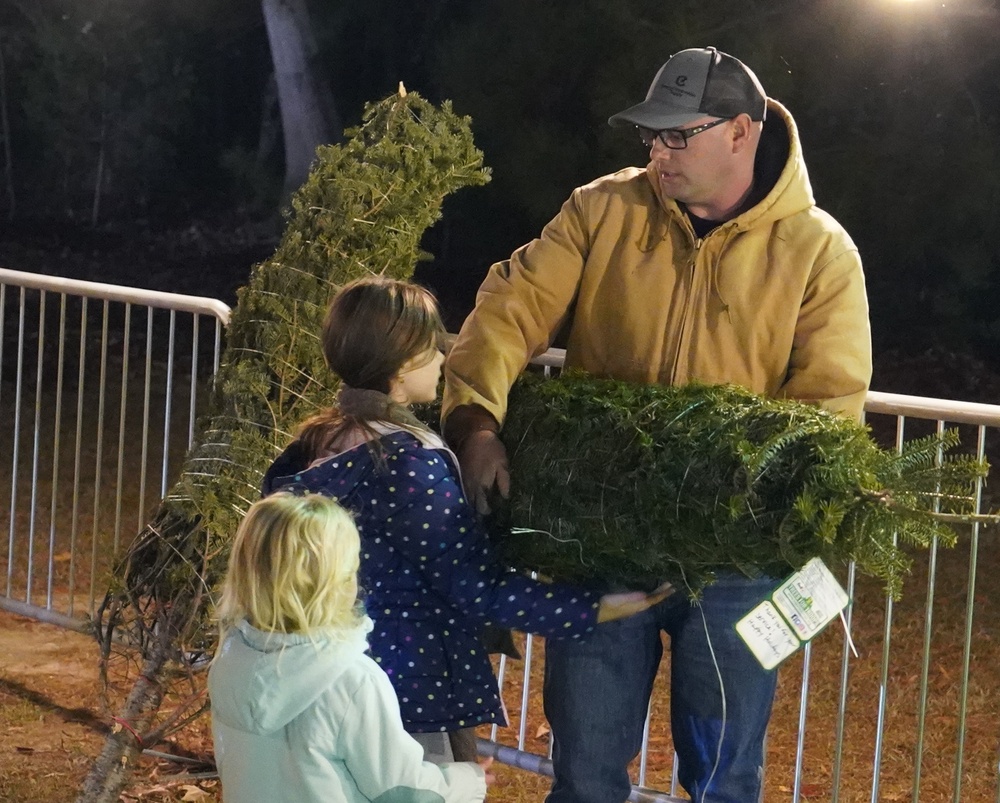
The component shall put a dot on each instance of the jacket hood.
(292, 470)
(259, 681)
(779, 169)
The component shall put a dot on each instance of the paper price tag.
(810, 599)
(767, 635)
(798, 609)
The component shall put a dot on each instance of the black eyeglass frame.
(649, 136)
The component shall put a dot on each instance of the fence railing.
(914, 717)
(99, 391)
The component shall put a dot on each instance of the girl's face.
(352, 586)
(417, 381)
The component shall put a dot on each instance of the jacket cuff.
(466, 420)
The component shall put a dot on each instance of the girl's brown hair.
(372, 328)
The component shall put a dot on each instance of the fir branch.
(676, 484)
(362, 211)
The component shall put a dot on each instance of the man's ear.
(743, 132)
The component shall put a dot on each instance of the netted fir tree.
(362, 211)
(630, 486)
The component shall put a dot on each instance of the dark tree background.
(126, 115)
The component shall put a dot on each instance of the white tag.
(802, 606)
(810, 599)
(767, 635)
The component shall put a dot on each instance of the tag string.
(847, 633)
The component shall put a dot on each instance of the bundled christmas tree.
(362, 211)
(635, 485)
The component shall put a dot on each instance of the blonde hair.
(293, 567)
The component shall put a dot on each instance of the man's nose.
(659, 151)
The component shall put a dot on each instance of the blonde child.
(429, 573)
(299, 712)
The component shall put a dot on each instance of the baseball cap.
(693, 83)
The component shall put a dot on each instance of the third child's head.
(383, 334)
(293, 567)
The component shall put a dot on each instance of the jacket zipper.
(682, 329)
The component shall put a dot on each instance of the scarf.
(373, 405)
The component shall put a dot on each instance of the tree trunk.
(408, 151)
(113, 768)
(308, 114)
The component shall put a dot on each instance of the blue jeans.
(597, 692)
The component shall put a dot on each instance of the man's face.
(698, 174)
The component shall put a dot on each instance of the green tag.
(804, 603)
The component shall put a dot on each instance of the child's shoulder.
(411, 439)
(360, 678)
(418, 455)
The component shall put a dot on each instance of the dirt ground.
(48, 695)
(53, 722)
(53, 719)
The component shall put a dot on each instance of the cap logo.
(679, 90)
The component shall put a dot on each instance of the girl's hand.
(486, 763)
(620, 606)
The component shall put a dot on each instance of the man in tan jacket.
(713, 263)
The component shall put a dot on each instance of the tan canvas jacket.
(773, 300)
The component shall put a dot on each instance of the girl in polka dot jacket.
(431, 578)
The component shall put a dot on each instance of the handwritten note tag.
(767, 635)
(799, 608)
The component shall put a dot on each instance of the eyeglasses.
(675, 138)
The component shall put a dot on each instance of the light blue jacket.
(299, 720)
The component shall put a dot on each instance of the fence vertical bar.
(56, 447)
(644, 750)
(886, 638)
(168, 405)
(845, 657)
(144, 455)
(501, 671)
(122, 414)
(194, 379)
(77, 454)
(16, 450)
(800, 741)
(3, 349)
(970, 602)
(36, 444)
(218, 347)
(918, 749)
(99, 456)
(525, 689)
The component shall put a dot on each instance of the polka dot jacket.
(431, 578)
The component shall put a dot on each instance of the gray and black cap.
(694, 83)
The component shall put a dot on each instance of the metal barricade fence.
(90, 455)
(882, 726)
(98, 399)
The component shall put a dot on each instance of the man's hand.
(484, 467)
(472, 433)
